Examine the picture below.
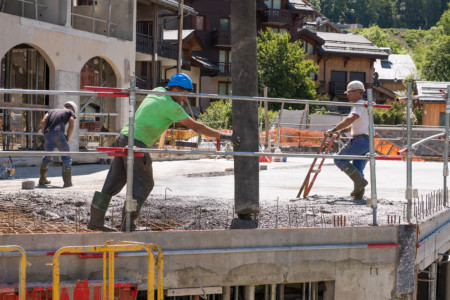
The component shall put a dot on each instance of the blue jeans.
(358, 145)
(52, 140)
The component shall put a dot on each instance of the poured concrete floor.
(199, 194)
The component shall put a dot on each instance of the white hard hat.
(355, 85)
(74, 106)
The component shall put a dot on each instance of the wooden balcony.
(144, 44)
(221, 38)
(278, 16)
(339, 88)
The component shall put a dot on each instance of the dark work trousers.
(142, 173)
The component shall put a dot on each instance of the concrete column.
(273, 292)
(68, 13)
(249, 292)
(432, 284)
(226, 293)
(68, 81)
(245, 113)
(447, 280)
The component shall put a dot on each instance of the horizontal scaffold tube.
(115, 92)
(199, 152)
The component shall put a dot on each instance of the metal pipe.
(409, 191)
(447, 121)
(44, 153)
(130, 158)
(432, 285)
(249, 98)
(180, 35)
(233, 250)
(215, 96)
(47, 92)
(24, 108)
(373, 181)
(165, 151)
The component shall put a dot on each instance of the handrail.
(111, 247)
(22, 268)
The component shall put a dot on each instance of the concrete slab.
(281, 179)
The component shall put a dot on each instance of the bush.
(220, 113)
(396, 115)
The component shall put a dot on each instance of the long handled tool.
(324, 148)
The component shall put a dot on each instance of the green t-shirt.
(154, 116)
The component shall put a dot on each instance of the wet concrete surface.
(199, 194)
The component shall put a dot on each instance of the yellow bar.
(22, 268)
(160, 262)
(111, 276)
(111, 247)
(104, 275)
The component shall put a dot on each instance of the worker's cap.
(355, 85)
(181, 80)
(73, 105)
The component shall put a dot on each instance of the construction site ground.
(199, 194)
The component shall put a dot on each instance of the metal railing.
(133, 91)
(22, 268)
(108, 250)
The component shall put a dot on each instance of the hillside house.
(341, 58)
(389, 75)
(213, 26)
(433, 109)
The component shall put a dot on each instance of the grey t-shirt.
(57, 119)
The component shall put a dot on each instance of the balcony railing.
(221, 38)
(169, 51)
(224, 69)
(144, 43)
(339, 88)
(145, 82)
(89, 79)
(278, 16)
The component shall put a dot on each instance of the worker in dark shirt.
(53, 126)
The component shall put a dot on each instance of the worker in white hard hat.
(53, 126)
(358, 123)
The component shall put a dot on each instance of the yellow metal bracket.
(22, 268)
(108, 251)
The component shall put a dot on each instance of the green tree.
(218, 114)
(381, 38)
(437, 62)
(284, 69)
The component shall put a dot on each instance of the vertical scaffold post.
(409, 192)
(130, 158)
(373, 181)
(447, 121)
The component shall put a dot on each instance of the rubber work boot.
(99, 205)
(67, 175)
(359, 182)
(43, 179)
(133, 216)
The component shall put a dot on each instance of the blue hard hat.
(181, 80)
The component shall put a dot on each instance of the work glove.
(235, 140)
(330, 131)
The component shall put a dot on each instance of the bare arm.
(200, 128)
(44, 122)
(345, 124)
(70, 128)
